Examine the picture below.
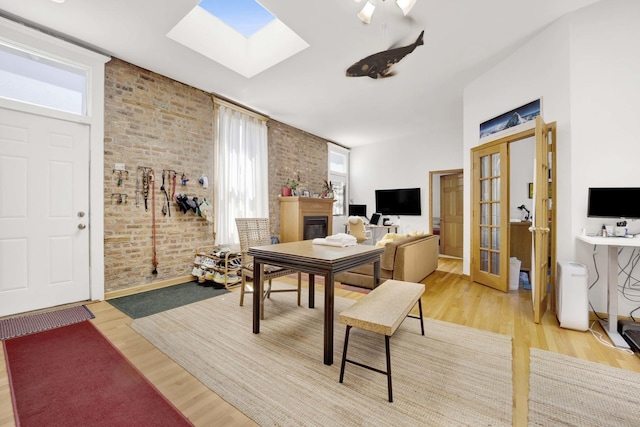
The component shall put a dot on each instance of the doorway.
(44, 195)
(490, 233)
(446, 210)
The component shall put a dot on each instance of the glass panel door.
(489, 204)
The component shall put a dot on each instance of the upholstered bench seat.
(381, 311)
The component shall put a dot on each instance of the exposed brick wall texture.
(297, 155)
(156, 122)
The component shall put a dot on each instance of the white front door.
(44, 218)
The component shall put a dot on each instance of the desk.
(373, 229)
(313, 259)
(613, 243)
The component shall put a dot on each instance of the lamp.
(367, 10)
(524, 208)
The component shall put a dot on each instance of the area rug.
(454, 375)
(73, 376)
(23, 325)
(152, 302)
(566, 391)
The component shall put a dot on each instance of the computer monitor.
(358, 210)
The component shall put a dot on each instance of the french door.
(490, 221)
(490, 207)
(542, 271)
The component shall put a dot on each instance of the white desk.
(613, 244)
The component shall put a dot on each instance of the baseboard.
(148, 287)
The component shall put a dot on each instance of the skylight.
(234, 34)
(244, 16)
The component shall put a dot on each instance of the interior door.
(540, 228)
(451, 214)
(44, 200)
(490, 222)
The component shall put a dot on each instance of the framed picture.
(515, 117)
(531, 190)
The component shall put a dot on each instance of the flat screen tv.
(614, 202)
(402, 201)
(358, 210)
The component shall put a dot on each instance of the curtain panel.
(241, 171)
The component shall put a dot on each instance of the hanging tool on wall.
(165, 207)
(167, 194)
(151, 182)
(120, 172)
(145, 185)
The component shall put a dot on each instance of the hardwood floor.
(449, 296)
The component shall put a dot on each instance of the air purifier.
(572, 296)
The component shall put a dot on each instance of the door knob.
(82, 226)
(80, 214)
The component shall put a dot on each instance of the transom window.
(34, 79)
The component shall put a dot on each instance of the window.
(34, 79)
(338, 174)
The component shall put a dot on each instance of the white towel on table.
(327, 242)
(342, 238)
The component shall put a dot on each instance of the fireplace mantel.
(294, 209)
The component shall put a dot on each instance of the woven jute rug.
(566, 391)
(454, 375)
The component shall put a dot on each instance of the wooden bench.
(382, 311)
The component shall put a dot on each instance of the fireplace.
(315, 226)
(304, 218)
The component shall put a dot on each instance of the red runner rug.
(74, 376)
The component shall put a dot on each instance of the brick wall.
(156, 122)
(294, 154)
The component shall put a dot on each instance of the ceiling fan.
(367, 10)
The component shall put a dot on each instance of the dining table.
(315, 260)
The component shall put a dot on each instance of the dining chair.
(255, 232)
(358, 230)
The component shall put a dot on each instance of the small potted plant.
(327, 190)
(289, 187)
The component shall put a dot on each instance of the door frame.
(30, 39)
(529, 130)
(432, 175)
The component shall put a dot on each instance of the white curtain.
(241, 171)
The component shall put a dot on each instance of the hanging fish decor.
(379, 64)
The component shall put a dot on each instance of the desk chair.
(255, 232)
(358, 230)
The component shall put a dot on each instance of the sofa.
(410, 258)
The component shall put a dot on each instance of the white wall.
(586, 69)
(605, 89)
(406, 164)
(540, 69)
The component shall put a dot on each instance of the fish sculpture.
(379, 64)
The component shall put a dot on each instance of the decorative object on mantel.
(289, 187)
(379, 64)
(327, 190)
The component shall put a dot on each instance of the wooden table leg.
(257, 294)
(328, 318)
(312, 292)
(376, 273)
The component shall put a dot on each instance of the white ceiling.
(310, 90)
